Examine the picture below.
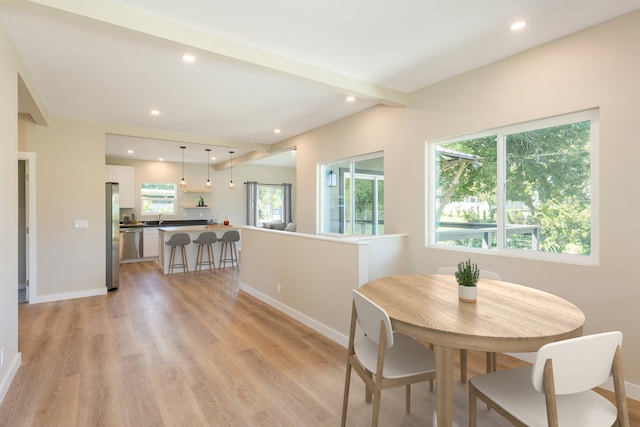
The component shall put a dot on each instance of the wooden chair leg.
(345, 399)
(472, 407)
(376, 408)
(463, 365)
(368, 396)
(492, 362)
(620, 394)
(408, 398)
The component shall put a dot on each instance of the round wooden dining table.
(505, 318)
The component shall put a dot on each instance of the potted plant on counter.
(467, 278)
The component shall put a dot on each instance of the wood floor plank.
(192, 349)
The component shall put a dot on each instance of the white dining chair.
(382, 358)
(557, 389)
(491, 358)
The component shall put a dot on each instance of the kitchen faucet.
(159, 219)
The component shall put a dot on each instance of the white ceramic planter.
(467, 293)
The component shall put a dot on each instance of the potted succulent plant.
(467, 278)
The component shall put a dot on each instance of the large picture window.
(353, 196)
(524, 189)
(270, 203)
(158, 198)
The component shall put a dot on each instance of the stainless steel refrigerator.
(113, 235)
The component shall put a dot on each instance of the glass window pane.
(335, 183)
(270, 203)
(526, 187)
(158, 198)
(465, 204)
(548, 195)
(352, 203)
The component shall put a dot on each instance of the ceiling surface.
(259, 65)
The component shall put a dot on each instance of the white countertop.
(196, 228)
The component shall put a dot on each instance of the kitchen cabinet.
(126, 177)
(151, 237)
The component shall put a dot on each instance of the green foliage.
(467, 274)
(547, 173)
(565, 226)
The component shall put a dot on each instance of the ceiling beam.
(28, 101)
(121, 16)
(183, 137)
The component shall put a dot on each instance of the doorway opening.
(26, 227)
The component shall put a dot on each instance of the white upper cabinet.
(126, 177)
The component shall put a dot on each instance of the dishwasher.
(131, 246)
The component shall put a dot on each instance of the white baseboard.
(10, 375)
(302, 318)
(631, 390)
(35, 299)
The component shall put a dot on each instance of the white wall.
(598, 67)
(316, 273)
(8, 213)
(70, 178)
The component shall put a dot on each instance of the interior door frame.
(30, 186)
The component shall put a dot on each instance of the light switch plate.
(80, 223)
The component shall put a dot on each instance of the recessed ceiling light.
(154, 112)
(351, 98)
(188, 57)
(518, 25)
(277, 131)
(213, 158)
(130, 151)
(161, 159)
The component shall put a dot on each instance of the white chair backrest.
(579, 364)
(485, 274)
(369, 315)
(447, 270)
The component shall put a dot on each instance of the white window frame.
(271, 188)
(592, 259)
(174, 200)
(322, 177)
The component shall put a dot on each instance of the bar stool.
(229, 239)
(182, 240)
(208, 238)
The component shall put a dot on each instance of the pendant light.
(183, 183)
(232, 185)
(208, 183)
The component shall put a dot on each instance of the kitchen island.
(192, 249)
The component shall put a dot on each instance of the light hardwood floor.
(191, 350)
